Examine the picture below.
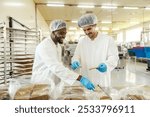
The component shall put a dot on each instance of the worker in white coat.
(47, 65)
(95, 50)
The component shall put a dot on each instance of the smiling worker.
(95, 50)
(47, 65)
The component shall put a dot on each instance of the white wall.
(42, 25)
(133, 35)
(120, 37)
(23, 11)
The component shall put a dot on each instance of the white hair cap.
(87, 20)
(57, 25)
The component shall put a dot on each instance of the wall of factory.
(24, 12)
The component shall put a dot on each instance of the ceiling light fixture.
(72, 28)
(56, 5)
(147, 8)
(109, 7)
(85, 6)
(74, 21)
(13, 4)
(130, 7)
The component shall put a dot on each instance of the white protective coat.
(48, 67)
(90, 53)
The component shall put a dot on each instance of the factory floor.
(132, 75)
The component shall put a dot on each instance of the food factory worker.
(95, 50)
(47, 63)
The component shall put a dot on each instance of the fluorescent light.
(13, 4)
(56, 5)
(74, 21)
(85, 6)
(147, 8)
(72, 28)
(106, 22)
(109, 7)
(130, 7)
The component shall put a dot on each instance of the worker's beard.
(90, 35)
(60, 40)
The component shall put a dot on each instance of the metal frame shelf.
(17, 48)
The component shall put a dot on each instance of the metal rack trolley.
(17, 48)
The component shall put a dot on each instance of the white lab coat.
(48, 67)
(90, 53)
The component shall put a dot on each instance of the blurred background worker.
(95, 50)
(47, 65)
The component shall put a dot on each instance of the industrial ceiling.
(110, 19)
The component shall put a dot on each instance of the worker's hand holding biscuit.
(102, 67)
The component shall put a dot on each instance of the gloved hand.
(75, 65)
(86, 83)
(102, 67)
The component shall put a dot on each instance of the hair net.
(86, 20)
(57, 25)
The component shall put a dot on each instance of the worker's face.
(60, 35)
(90, 31)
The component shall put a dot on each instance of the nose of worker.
(102, 67)
(75, 65)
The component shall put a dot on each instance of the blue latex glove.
(75, 65)
(102, 67)
(88, 84)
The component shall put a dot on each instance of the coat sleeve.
(112, 55)
(49, 56)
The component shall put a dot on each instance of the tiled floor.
(131, 75)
